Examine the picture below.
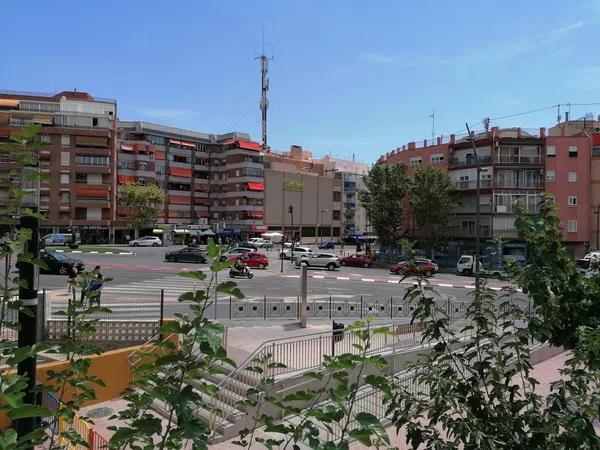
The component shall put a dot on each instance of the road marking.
(367, 279)
(342, 278)
(469, 286)
(94, 253)
(493, 288)
(290, 276)
(76, 251)
(444, 285)
(318, 276)
(393, 281)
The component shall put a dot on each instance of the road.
(139, 278)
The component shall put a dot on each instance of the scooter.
(243, 272)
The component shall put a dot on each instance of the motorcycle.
(243, 272)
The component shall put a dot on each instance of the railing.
(471, 161)
(520, 185)
(509, 159)
(472, 184)
(299, 354)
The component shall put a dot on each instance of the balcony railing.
(472, 184)
(486, 159)
(520, 185)
(511, 159)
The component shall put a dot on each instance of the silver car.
(146, 241)
(325, 260)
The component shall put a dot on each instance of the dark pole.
(291, 210)
(477, 208)
(28, 296)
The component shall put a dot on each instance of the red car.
(254, 260)
(357, 261)
(418, 267)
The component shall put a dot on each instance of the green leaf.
(26, 411)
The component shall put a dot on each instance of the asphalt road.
(145, 273)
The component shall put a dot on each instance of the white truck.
(589, 265)
(466, 266)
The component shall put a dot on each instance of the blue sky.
(348, 77)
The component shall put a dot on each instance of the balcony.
(519, 185)
(469, 232)
(472, 184)
(517, 159)
(483, 160)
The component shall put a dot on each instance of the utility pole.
(432, 126)
(477, 208)
(264, 101)
(291, 211)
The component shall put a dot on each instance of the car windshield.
(58, 256)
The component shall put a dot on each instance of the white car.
(325, 260)
(298, 252)
(146, 241)
(260, 242)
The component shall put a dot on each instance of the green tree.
(142, 202)
(383, 200)
(432, 198)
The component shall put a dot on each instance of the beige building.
(294, 179)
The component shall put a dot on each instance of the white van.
(65, 239)
(588, 265)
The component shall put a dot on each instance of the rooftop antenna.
(432, 115)
(558, 114)
(264, 101)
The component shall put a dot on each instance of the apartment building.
(295, 179)
(354, 218)
(80, 131)
(212, 180)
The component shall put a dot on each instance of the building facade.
(79, 162)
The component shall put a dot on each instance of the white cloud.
(377, 58)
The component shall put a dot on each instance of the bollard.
(391, 307)
(303, 294)
(265, 307)
(230, 306)
(330, 306)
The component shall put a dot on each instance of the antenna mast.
(432, 116)
(264, 101)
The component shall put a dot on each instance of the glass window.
(65, 140)
(45, 138)
(573, 176)
(572, 226)
(337, 196)
(65, 158)
(550, 176)
(336, 215)
(572, 151)
(64, 178)
(572, 200)
(91, 160)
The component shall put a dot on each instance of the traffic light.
(291, 209)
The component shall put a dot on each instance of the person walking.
(95, 289)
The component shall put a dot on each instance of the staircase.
(299, 354)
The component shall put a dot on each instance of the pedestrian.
(95, 288)
(72, 283)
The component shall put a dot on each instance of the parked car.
(238, 251)
(146, 241)
(187, 254)
(70, 239)
(298, 251)
(418, 267)
(466, 266)
(260, 242)
(247, 244)
(326, 246)
(326, 260)
(59, 263)
(253, 259)
(356, 261)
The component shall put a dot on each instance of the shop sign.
(291, 185)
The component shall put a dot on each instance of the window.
(416, 161)
(572, 226)
(572, 151)
(550, 150)
(129, 165)
(94, 121)
(65, 158)
(573, 177)
(156, 140)
(596, 151)
(64, 178)
(64, 196)
(336, 215)
(572, 200)
(65, 140)
(45, 138)
(550, 176)
(437, 158)
(91, 160)
(337, 196)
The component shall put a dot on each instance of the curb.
(93, 253)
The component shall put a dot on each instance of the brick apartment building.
(518, 165)
(81, 133)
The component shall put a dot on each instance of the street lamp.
(321, 224)
(477, 208)
(291, 211)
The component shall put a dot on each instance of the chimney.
(296, 152)
(542, 132)
(566, 116)
(439, 141)
(425, 143)
(411, 145)
(452, 138)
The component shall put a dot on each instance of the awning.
(180, 172)
(8, 103)
(91, 141)
(4, 117)
(255, 214)
(127, 148)
(187, 144)
(255, 186)
(124, 179)
(181, 231)
(179, 200)
(157, 231)
(207, 232)
(246, 145)
(159, 155)
(258, 228)
(95, 193)
(228, 233)
(4, 133)
(174, 141)
(43, 120)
